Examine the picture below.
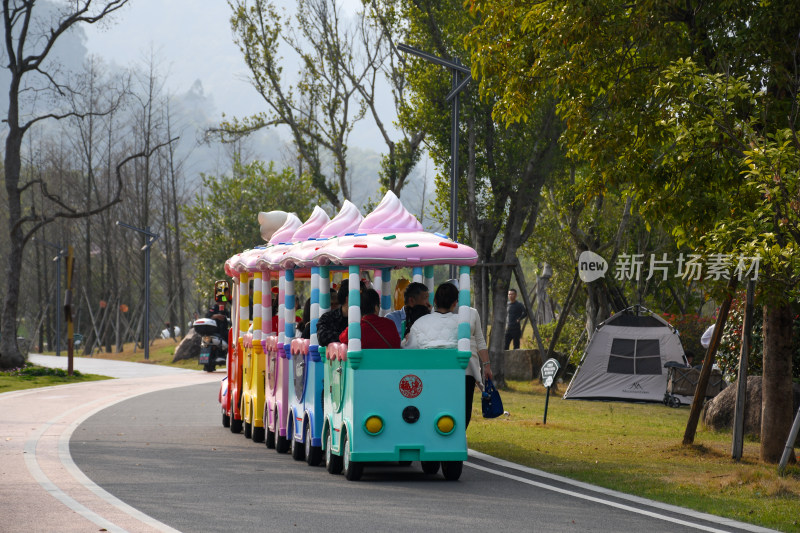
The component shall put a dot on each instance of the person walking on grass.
(515, 312)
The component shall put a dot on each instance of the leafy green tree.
(690, 105)
(222, 220)
(503, 169)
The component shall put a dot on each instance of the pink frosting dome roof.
(229, 270)
(312, 227)
(245, 261)
(346, 221)
(285, 232)
(390, 216)
(391, 236)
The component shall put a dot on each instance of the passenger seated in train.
(331, 324)
(412, 315)
(415, 294)
(439, 329)
(376, 331)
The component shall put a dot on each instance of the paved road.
(108, 367)
(166, 454)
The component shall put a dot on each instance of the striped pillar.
(325, 289)
(289, 307)
(315, 292)
(428, 273)
(244, 303)
(257, 316)
(416, 274)
(464, 332)
(354, 311)
(266, 304)
(386, 291)
(281, 309)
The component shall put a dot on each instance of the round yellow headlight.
(374, 424)
(445, 424)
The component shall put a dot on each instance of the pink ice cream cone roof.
(285, 232)
(346, 221)
(313, 226)
(391, 236)
(271, 257)
(390, 216)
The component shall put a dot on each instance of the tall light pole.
(151, 238)
(458, 85)
(57, 260)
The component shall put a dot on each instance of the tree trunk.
(10, 356)
(776, 395)
(500, 281)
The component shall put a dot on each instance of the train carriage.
(305, 414)
(391, 404)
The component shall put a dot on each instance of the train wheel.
(236, 425)
(352, 470)
(281, 443)
(257, 433)
(226, 419)
(430, 467)
(452, 470)
(298, 450)
(269, 440)
(313, 453)
(333, 462)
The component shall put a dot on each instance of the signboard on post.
(548, 374)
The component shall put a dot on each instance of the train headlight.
(445, 424)
(373, 424)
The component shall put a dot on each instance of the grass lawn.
(32, 376)
(636, 449)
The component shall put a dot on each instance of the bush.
(690, 327)
(30, 370)
(731, 343)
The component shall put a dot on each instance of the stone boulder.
(718, 413)
(189, 348)
(524, 365)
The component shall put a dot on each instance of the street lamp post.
(151, 238)
(57, 260)
(458, 85)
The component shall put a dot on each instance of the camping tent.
(625, 359)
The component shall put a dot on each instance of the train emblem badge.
(410, 386)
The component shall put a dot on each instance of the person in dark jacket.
(515, 312)
(333, 323)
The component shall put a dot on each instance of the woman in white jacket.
(440, 330)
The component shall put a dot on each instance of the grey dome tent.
(625, 359)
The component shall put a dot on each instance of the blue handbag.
(491, 403)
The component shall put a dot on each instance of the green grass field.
(636, 449)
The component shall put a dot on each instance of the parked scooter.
(214, 329)
(213, 347)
